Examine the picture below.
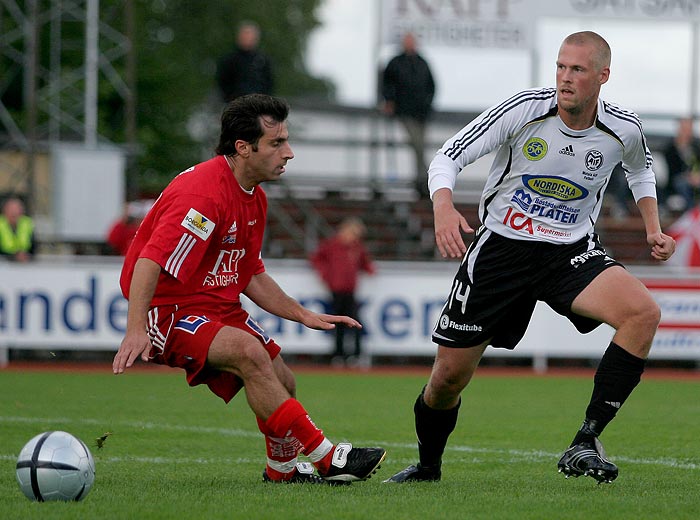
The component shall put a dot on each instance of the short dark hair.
(241, 120)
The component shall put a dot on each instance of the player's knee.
(291, 386)
(444, 389)
(286, 377)
(253, 359)
(648, 316)
(655, 314)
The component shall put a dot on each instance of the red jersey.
(206, 232)
(339, 263)
(120, 236)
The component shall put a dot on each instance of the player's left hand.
(329, 321)
(662, 246)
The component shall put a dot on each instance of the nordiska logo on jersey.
(555, 187)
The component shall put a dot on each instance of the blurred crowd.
(406, 91)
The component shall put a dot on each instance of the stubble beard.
(574, 109)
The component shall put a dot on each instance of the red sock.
(291, 421)
(281, 454)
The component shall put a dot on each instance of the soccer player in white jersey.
(555, 151)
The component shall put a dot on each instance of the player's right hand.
(449, 224)
(133, 345)
(319, 321)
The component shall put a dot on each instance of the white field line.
(130, 424)
(508, 455)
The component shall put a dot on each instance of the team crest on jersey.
(555, 187)
(594, 160)
(198, 224)
(535, 149)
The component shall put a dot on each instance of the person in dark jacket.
(245, 70)
(408, 89)
(683, 160)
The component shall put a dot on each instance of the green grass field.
(178, 452)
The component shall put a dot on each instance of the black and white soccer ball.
(55, 466)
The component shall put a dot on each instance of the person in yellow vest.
(16, 232)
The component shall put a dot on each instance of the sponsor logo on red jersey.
(198, 224)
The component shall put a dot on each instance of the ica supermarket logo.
(198, 224)
(535, 149)
(555, 187)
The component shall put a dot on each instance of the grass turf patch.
(179, 452)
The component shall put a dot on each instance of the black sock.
(618, 374)
(433, 427)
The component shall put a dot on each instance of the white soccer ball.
(55, 466)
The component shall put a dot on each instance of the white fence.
(60, 303)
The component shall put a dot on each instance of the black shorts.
(500, 279)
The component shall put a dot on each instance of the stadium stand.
(403, 230)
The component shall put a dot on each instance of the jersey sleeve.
(181, 235)
(489, 130)
(637, 164)
(259, 266)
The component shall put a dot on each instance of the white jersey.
(546, 181)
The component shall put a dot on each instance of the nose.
(287, 152)
(565, 75)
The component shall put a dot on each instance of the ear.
(604, 75)
(243, 148)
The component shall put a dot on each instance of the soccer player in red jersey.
(196, 252)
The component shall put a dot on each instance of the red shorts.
(181, 338)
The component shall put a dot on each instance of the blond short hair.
(602, 54)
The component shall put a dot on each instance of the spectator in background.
(245, 70)
(683, 160)
(338, 261)
(16, 231)
(408, 89)
(123, 230)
